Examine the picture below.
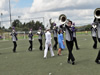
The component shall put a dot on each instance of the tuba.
(63, 19)
(97, 14)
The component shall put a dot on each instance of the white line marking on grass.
(11, 40)
(33, 48)
(4, 40)
(17, 53)
(6, 57)
(50, 73)
(85, 39)
(12, 47)
(5, 48)
(60, 63)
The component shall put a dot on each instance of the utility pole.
(10, 13)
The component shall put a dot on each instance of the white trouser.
(46, 50)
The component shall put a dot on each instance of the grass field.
(32, 63)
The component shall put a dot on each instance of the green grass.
(32, 63)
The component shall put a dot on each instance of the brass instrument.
(39, 32)
(63, 19)
(97, 15)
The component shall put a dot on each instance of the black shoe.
(58, 54)
(40, 49)
(28, 49)
(78, 48)
(94, 48)
(69, 62)
(97, 62)
(54, 48)
(73, 63)
(14, 51)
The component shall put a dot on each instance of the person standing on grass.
(55, 36)
(94, 35)
(60, 42)
(30, 35)
(97, 23)
(53, 24)
(69, 41)
(74, 36)
(40, 33)
(48, 43)
(14, 39)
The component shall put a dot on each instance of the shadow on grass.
(82, 61)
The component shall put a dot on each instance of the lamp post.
(19, 20)
(1, 20)
(10, 12)
(43, 21)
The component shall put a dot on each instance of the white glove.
(94, 26)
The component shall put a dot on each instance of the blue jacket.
(60, 41)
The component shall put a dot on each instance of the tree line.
(19, 26)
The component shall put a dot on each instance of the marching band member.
(55, 36)
(40, 33)
(98, 31)
(94, 35)
(97, 25)
(48, 43)
(74, 36)
(98, 34)
(69, 36)
(98, 58)
(30, 35)
(69, 41)
(14, 39)
(60, 41)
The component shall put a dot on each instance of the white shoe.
(52, 56)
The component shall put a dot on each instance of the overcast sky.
(79, 11)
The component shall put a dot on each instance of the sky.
(22, 3)
(81, 12)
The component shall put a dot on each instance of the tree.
(26, 26)
(17, 23)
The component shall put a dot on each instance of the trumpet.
(97, 14)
